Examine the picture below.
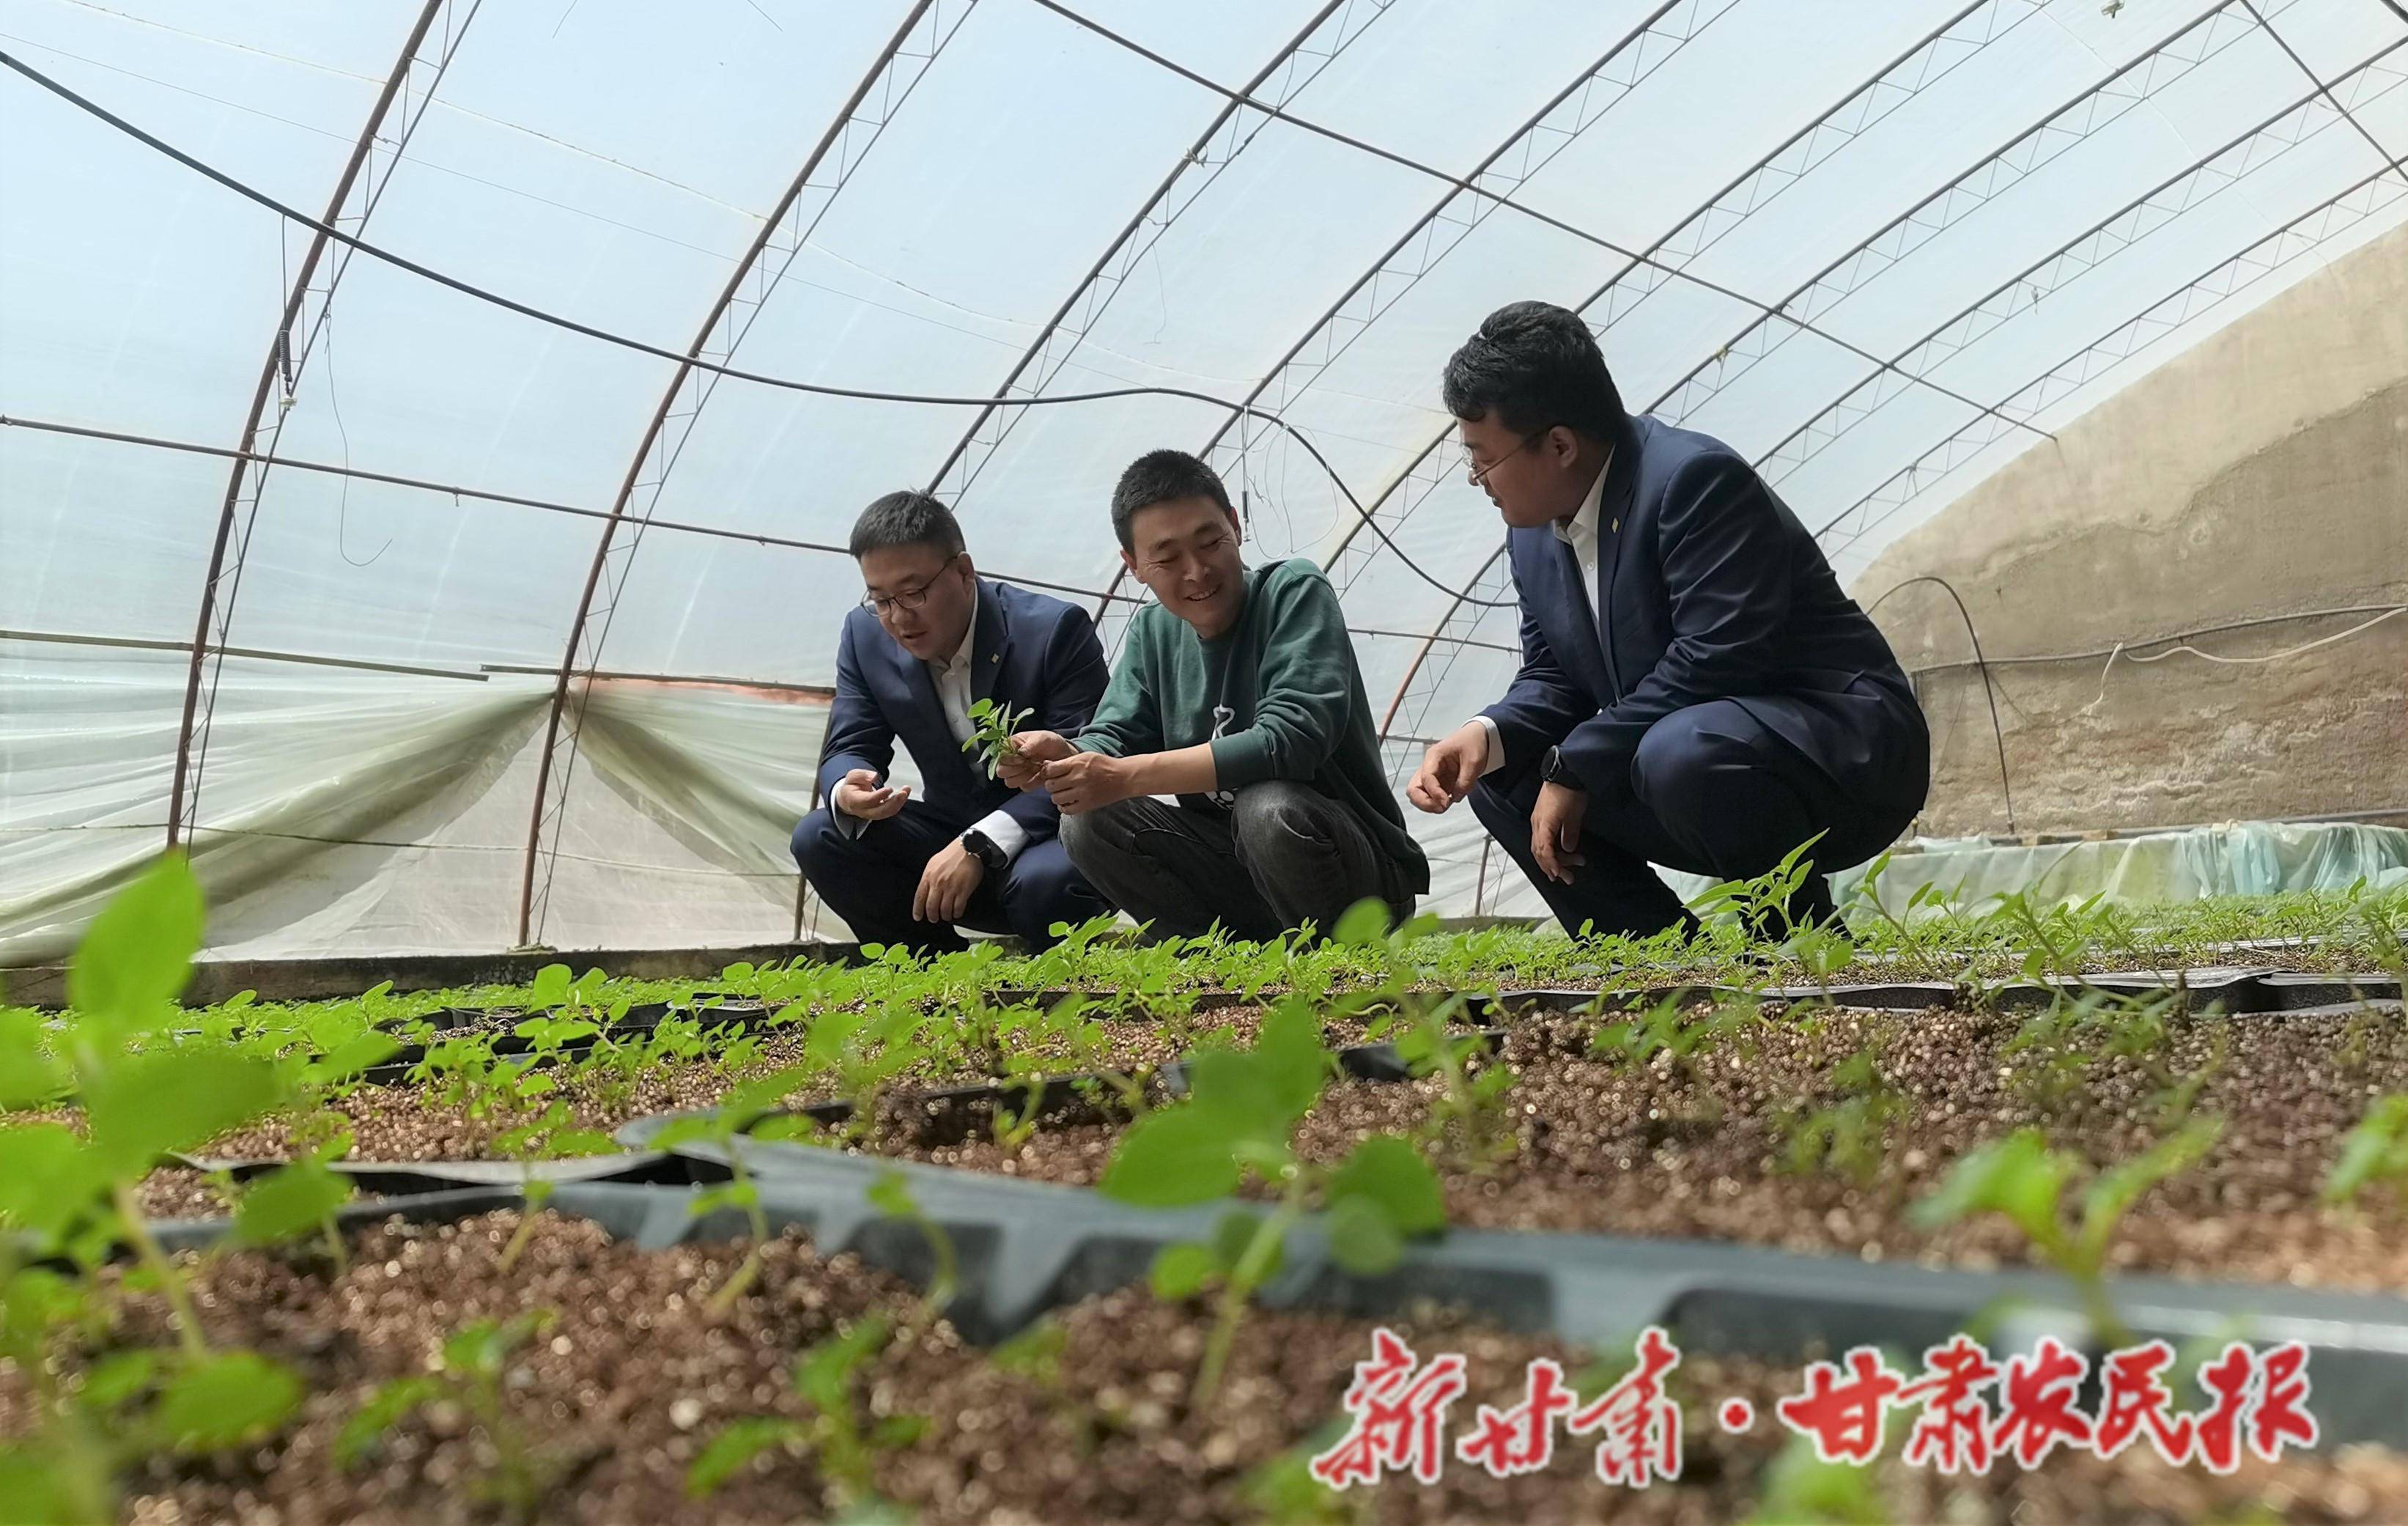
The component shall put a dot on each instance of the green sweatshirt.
(1294, 706)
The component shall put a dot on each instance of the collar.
(1583, 525)
(960, 660)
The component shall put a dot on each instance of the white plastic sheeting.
(1878, 248)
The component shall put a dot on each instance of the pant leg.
(1613, 890)
(1308, 856)
(1170, 866)
(1737, 796)
(1039, 888)
(868, 878)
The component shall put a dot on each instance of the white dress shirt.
(952, 680)
(1580, 532)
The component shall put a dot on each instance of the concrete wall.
(2263, 473)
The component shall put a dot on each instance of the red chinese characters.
(1399, 1411)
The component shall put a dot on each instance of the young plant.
(740, 1114)
(545, 1137)
(1472, 1107)
(2021, 1178)
(890, 1195)
(1759, 906)
(991, 730)
(2373, 1155)
(1846, 1136)
(1235, 1125)
(847, 1444)
(468, 1373)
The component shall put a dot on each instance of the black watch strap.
(1554, 770)
(982, 848)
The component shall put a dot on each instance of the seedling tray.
(1025, 1248)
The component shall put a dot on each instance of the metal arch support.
(2178, 193)
(1434, 235)
(2121, 92)
(287, 354)
(1437, 637)
(2369, 197)
(1929, 60)
(664, 438)
(1103, 280)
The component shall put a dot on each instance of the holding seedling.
(992, 726)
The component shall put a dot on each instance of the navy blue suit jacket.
(1710, 589)
(1027, 650)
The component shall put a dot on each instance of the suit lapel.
(990, 644)
(1613, 519)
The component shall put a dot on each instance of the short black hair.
(1535, 366)
(909, 518)
(1160, 477)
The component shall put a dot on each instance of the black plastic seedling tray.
(1025, 1248)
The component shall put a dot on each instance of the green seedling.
(470, 1374)
(2373, 1155)
(545, 1137)
(1472, 1107)
(890, 1195)
(1761, 905)
(991, 726)
(296, 1200)
(2022, 1179)
(742, 1113)
(1235, 1125)
(846, 1445)
(1801, 1490)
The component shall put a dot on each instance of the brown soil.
(636, 1375)
(1654, 1150)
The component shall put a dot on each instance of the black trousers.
(1713, 791)
(868, 879)
(1283, 853)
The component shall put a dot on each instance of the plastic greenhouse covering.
(514, 621)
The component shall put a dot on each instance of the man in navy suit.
(930, 639)
(1695, 690)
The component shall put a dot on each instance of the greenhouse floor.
(1117, 1232)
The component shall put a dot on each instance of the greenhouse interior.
(1025, 761)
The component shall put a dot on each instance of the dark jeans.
(1713, 791)
(1283, 854)
(869, 880)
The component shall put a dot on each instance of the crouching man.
(1239, 694)
(930, 639)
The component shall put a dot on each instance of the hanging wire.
(1989, 690)
(402, 262)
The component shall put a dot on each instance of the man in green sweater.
(1239, 694)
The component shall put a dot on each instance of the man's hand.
(1555, 830)
(1449, 769)
(1023, 764)
(1084, 782)
(860, 796)
(947, 885)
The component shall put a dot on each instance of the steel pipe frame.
(183, 793)
(648, 450)
(1429, 254)
(1110, 269)
(2083, 252)
(1958, 447)
(2361, 200)
(1754, 188)
(2084, 101)
(1744, 194)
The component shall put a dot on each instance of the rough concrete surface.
(2263, 473)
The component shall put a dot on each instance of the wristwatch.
(1552, 769)
(982, 848)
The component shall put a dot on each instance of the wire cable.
(1989, 690)
(561, 321)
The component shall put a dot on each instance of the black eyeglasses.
(1479, 474)
(905, 600)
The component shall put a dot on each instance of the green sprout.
(2374, 1154)
(847, 1448)
(470, 1374)
(2022, 1179)
(1235, 1125)
(991, 726)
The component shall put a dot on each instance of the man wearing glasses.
(930, 639)
(1695, 691)
(1237, 693)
